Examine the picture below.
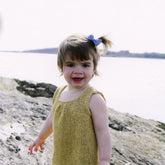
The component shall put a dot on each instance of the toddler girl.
(79, 117)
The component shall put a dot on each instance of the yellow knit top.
(74, 136)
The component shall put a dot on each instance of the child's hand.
(36, 144)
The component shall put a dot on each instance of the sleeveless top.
(74, 136)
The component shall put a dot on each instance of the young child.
(79, 117)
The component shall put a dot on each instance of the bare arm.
(100, 119)
(44, 133)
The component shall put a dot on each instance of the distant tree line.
(123, 53)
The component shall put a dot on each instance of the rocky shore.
(24, 107)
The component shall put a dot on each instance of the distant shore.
(123, 53)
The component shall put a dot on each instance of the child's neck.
(70, 88)
(70, 93)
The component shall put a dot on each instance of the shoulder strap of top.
(91, 91)
(98, 92)
(57, 93)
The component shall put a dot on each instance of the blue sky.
(134, 25)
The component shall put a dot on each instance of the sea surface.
(131, 85)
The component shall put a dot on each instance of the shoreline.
(133, 85)
(40, 89)
(122, 53)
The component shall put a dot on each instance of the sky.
(134, 25)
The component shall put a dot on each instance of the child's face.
(78, 73)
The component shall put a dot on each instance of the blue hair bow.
(96, 42)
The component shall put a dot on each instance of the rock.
(161, 125)
(135, 141)
(18, 138)
(1, 110)
(36, 90)
(21, 118)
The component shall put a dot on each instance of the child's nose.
(78, 69)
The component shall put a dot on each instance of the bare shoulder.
(99, 112)
(97, 103)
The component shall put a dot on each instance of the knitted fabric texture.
(74, 136)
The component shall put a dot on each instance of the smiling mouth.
(77, 79)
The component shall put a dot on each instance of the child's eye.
(69, 65)
(86, 65)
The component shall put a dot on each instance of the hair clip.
(96, 42)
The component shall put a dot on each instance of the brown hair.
(80, 48)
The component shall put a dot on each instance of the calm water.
(132, 85)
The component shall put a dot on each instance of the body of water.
(132, 85)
